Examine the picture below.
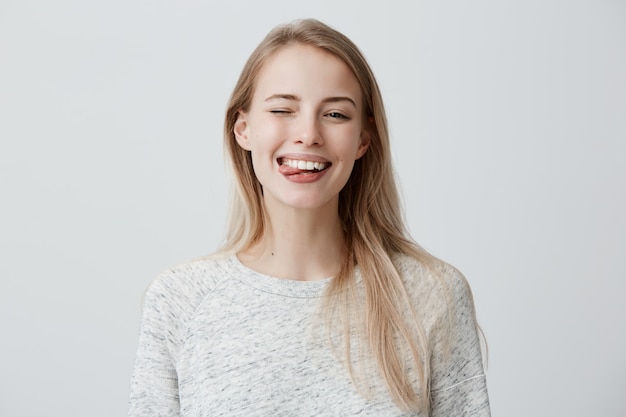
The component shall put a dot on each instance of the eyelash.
(332, 115)
(337, 115)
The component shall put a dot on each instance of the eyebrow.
(293, 97)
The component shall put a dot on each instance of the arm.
(459, 387)
(154, 383)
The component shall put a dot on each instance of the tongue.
(287, 170)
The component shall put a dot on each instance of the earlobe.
(240, 129)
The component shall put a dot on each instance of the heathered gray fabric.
(218, 339)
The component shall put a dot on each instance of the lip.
(297, 176)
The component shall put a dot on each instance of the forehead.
(307, 72)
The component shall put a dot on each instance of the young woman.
(319, 303)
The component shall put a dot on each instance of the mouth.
(303, 166)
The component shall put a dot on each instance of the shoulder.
(185, 285)
(436, 289)
(430, 275)
(175, 294)
(443, 301)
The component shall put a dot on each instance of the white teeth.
(304, 165)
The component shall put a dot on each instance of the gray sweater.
(219, 339)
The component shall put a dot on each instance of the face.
(304, 127)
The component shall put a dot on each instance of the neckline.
(279, 286)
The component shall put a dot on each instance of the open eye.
(337, 115)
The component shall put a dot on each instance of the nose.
(309, 132)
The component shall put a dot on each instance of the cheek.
(267, 136)
(350, 149)
(260, 167)
(262, 150)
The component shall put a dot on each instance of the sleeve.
(458, 382)
(154, 382)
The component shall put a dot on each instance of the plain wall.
(508, 122)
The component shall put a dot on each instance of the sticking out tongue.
(287, 170)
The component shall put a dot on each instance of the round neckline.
(274, 285)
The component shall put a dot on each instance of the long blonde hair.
(369, 209)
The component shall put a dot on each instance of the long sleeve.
(459, 387)
(154, 383)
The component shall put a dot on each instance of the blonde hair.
(369, 209)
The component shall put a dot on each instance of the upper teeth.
(308, 165)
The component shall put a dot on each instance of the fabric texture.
(219, 339)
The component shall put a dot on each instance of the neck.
(300, 244)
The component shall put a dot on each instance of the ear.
(364, 144)
(240, 129)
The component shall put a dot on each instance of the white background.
(508, 122)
